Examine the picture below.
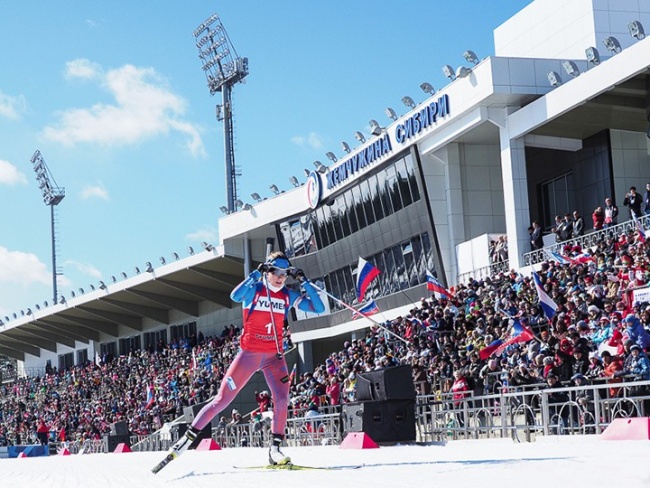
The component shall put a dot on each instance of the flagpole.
(358, 312)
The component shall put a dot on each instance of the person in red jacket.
(265, 304)
(459, 390)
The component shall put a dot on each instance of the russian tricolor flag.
(369, 308)
(642, 232)
(366, 272)
(435, 286)
(487, 351)
(151, 399)
(518, 334)
(548, 305)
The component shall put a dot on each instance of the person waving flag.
(366, 272)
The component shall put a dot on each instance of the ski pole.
(360, 313)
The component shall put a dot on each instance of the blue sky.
(113, 95)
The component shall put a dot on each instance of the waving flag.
(548, 305)
(519, 333)
(556, 256)
(487, 351)
(366, 272)
(642, 232)
(151, 399)
(369, 308)
(436, 287)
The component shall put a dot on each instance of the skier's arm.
(309, 301)
(245, 291)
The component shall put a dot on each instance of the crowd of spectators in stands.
(596, 332)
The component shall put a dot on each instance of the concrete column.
(306, 356)
(515, 195)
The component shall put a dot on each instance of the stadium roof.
(165, 295)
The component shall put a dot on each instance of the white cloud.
(207, 234)
(10, 175)
(94, 191)
(82, 68)
(84, 268)
(11, 106)
(312, 140)
(22, 268)
(144, 108)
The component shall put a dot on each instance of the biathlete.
(265, 303)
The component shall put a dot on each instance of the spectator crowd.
(598, 332)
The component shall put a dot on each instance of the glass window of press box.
(402, 266)
(372, 199)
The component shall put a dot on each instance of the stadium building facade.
(556, 121)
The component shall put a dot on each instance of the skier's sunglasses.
(280, 273)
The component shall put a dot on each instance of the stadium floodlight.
(359, 137)
(345, 146)
(636, 29)
(124, 276)
(208, 247)
(136, 270)
(390, 113)
(113, 279)
(571, 68)
(320, 167)
(62, 300)
(190, 250)
(29, 311)
(256, 197)
(554, 78)
(148, 267)
(102, 285)
(612, 44)
(238, 203)
(246, 206)
(71, 293)
(92, 287)
(81, 290)
(592, 55)
(408, 101)
(375, 128)
(224, 209)
(274, 189)
(176, 256)
(307, 172)
(471, 57)
(38, 307)
(462, 72)
(294, 181)
(449, 72)
(427, 87)
(163, 261)
(331, 156)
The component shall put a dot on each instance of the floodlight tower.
(223, 68)
(52, 196)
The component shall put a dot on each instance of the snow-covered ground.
(551, 462)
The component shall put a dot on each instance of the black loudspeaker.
(386, 421)
(119, 428)
(111, 441)
(395, 383)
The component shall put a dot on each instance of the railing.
(485, 272)
(521, 413)
(588, 240)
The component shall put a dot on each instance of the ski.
(297, 467)
(168, 459)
